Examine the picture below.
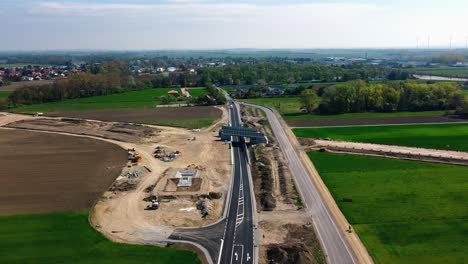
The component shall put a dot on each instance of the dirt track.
(374, 121)
(119, 131)
(416, 153)
(37, 176)
(138, 115)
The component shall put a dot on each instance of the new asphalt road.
(333, 243)
(238, 246)
(231, 240)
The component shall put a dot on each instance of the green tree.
(168, 99)
(3, 104)
(309, 100)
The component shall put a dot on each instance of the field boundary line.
(405, 124)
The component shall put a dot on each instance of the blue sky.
(222, 24)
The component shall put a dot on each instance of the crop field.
(290, 110)
(70, 174)
(135, 99)
(442, 71)
(188, 117)
(4, 94)
(66, 237)
(16, 85)
(438, 136)
(403, 211)
(284, 105)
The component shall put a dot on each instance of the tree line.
(108, 78)
(103, 79)
(359, 96)
(282, 72)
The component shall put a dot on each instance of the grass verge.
(67, 238)
(437, 136)
(403, 211)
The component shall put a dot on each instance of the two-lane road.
(335, 246)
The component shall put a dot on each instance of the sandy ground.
(272, 224)
(395, 149)
(113, 131)
(7, 118)
(121, 215)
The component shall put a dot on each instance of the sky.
(228, 24)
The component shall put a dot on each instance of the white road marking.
(237, 250)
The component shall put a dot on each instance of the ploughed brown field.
(43, 172)
(374, 121)
(16, 85)
(140, 115)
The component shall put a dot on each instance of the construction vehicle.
(133, 156)
(153, 206)
(159, 152)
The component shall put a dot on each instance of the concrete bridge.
(256, 137)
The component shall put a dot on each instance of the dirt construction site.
(171, 177)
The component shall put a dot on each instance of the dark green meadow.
(403, 211)
(67, 237)
(437, 136)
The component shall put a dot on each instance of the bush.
(3, 104)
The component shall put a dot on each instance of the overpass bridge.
(255, 136)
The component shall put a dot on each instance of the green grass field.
(290, 109)
(67, 238)
(183, 123)
(4, 94)
(442, 71)
(134, 99)
(403, 211)
(284, 105)
(439, 136)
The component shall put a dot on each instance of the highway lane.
(334, 245)
(232, 239)
(238, 245)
